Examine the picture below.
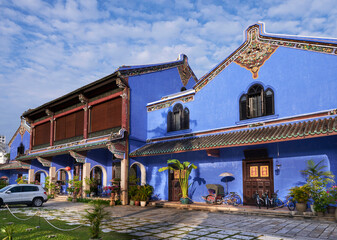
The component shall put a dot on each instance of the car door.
(28, 193)
(13, 195)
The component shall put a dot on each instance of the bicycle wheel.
(236, 199)
(258, 203)
(279, 203)
(291, 205)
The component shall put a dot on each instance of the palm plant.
(185, 169)
(316, 172)
(95, 216)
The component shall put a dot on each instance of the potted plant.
(87, 193)
(132, 193)
(301, 195)
(332, 199)
(184, 170)
(317, 180)
(95, 216)
(75, 186)
(145, 192)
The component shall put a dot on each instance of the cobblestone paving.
(162, 223)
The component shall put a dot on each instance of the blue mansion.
(260, 114)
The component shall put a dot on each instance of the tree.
(185, 169)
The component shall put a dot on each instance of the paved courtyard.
(167, 223)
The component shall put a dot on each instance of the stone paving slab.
(156, 223)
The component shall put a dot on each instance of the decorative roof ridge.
(276, 40)
(293, 119)
(144, 69)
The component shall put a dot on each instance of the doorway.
(174, 185)
(257, 177)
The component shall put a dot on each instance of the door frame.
(244, 173)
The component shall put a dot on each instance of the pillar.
(86, 174)
(52, 177)
(31, 176)
(125, 180)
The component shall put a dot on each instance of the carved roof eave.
(326, 46)
(79, 146)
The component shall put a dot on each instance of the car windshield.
(4, 189)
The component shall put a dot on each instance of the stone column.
(86, 174)
(125, 180)
(31, 176)
(52, 176)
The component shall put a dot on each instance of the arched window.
(178, 119)
(21, 149)
(256, 102)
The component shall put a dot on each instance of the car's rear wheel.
(37, 202)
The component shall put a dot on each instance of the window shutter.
(269, 102)
(169, 121)
(243, 107)
(263, 109)
(186, 120)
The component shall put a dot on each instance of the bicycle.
(291, 204)
(232, 198)
(258, 201)
(274, 201)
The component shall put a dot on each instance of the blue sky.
(49, 48)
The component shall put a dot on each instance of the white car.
(29, 194)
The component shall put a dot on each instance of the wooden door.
(257, 176)
(174, 186)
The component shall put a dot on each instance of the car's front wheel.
(37, 202)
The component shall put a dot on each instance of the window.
(106, 115)
(69, 126)
(21, 149)
(257, 102)
(178, 119)
(42, 134)
(30, 189)
(16, 189)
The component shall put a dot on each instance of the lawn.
(27, 229)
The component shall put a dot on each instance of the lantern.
(68, 168)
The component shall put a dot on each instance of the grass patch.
(45, 230)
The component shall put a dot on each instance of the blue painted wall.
(292, 156)
(25, 140)
(303, 82)
(101, 157)
(147, 88)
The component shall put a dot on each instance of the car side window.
(16, 189)
(30, 189)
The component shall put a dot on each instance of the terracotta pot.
(137, 203)
(301, 207)
(142, 203)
